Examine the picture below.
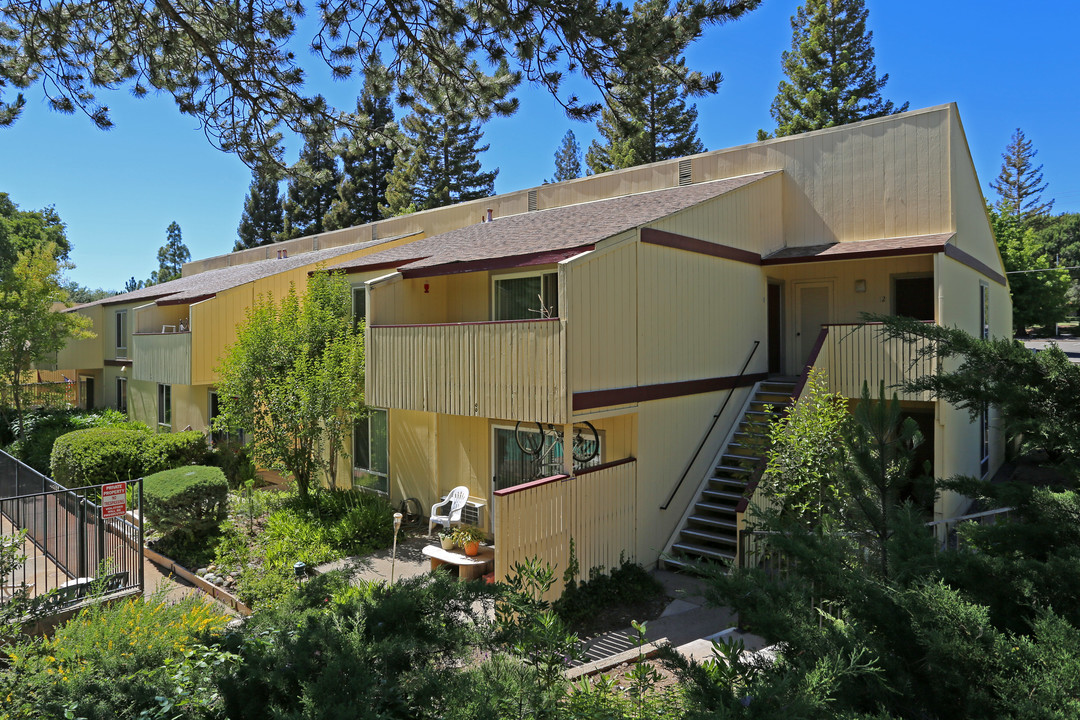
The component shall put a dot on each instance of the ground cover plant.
(268, 531)
(119, 660)
(608, 600)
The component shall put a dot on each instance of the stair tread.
(716, 522)
(708, 536)
(700, 550)
(723, 494)
(712, 507)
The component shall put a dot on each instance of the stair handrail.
(800, 385)
(712, 426)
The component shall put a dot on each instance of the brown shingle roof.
(544, 235)
(206, 284)
(860, 249)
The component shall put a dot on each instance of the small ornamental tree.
(294, 380)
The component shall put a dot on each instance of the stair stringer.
(674, 538)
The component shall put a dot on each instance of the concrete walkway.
(687, 623)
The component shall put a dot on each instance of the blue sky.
(1007, 65)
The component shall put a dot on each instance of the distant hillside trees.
(830, 75)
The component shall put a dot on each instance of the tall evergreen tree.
(367, 158)
(171, 256)
(831, 76)
(313, 183)
(567, 159)
(1020, 186)
(439, 164)
(647, 118)
(263, 220)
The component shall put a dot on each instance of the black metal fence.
(71, 546)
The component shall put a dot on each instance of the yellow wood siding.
(87, 353)
(596, 510)
(412, 456)
(163, 358)
(213, 328)
(750, 218)
(142, 402)
(190, 407)
(503, 370)
(973, 234)
(464, 458)
(601, 294)
(159, 318)
(698, 316)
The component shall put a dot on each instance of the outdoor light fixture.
(300, 570)
(393, 553)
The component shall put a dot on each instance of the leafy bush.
(627, 584)
(98, 455)
(189, 501)
(113, 661)
(44, 426)
(234, 460)
(170, 450)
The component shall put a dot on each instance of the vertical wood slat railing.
(162, 357)
(512, 369)
(597, 508)
(855, 353)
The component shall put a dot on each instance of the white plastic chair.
(456, 500)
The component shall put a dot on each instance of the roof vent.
(686, 170)
(532, 201)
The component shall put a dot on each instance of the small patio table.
(469, 568)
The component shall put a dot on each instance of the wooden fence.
(597, 508)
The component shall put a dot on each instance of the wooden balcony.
(515, 370)
(856, 353)
(162, 357)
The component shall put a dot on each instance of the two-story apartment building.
(651, 303)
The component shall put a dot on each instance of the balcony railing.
(510, 370)
(162, 357)
(856, 353)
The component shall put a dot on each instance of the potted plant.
(468, 537)
(447, 540)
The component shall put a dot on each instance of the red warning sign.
(114, 500)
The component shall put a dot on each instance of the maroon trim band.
(118, 363)
(120, 299)
(964, 258)
(653, 236)
(497, 263)
(855, 255)
(477, 322)
(360, 267)
(604, 466)
(187, 301)
(530, 485)
(641, 393)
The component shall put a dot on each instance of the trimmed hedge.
(189, 501)
(101, 455)
(43, 426)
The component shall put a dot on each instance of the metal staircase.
(709, 530)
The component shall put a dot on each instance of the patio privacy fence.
(597, 508)
(69, 541)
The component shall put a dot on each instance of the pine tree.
(647, 118)
(367, 158)
(1019, 185)
(567, 159)
(171, 256)
(262, 221)
(439, 164)
(831, 76)
(313, 184)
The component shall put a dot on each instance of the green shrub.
(187, 501)
(234, 460)
(627, 584)
(170, 450)
(98, 455)
(44, 426)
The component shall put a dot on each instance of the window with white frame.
(164, 407)
(121, 394)
(525, 296)
(121, 333)
(371, 452)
